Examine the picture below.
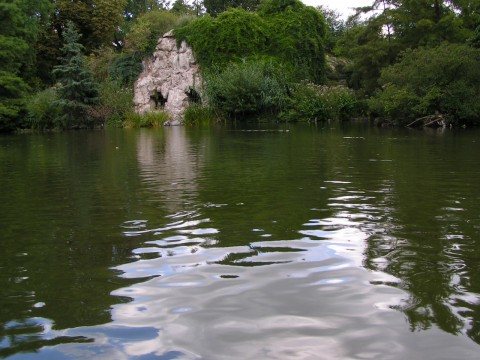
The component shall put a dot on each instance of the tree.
(182, 7)
(78, 91)
(442, 81)
(97, 20)
(215, 7)
(13, 48)
(146, 30)
(394, 26)
(336, 26)
(287, 31)
(135, 8)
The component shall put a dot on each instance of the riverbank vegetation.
(73, 64)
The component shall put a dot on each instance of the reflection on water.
(342, 243)
(169, 167)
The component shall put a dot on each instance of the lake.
(336, 241)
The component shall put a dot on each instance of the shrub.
(312, 102)
(116, 102)
(43, 111)
(197, 114)
(247, 87)
(427, 81)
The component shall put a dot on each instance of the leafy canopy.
(286, 30)
(13, 49)
(441, 80)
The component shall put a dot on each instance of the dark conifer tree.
(78, 91)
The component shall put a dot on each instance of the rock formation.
(169, 80)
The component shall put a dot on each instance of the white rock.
(168, 75)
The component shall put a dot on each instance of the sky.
(342, 6)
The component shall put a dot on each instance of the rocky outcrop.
(169, 81)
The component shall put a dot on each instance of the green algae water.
(279, 242)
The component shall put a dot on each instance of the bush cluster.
(311, 102)
(443, 80)
(43, 112)
(246, 87)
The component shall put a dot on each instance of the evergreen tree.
(78, 90)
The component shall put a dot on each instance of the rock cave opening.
(157, 100)
(193, 96)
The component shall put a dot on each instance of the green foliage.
(310, 102)
(115, 104)
(215, 7)
(97, 20)
(181, 7)
(151, 119)
(369, 51)
(335, 26)
(78, 91)
(442, 80)
(125, 69)
(144, 33)
(100, 63)
(13, 50)
(12, 100)
(286, 30)
(474, 41)
(43, 110)
(197, 114)
(395, 26)
(232, 36)
(246, 88)
(135, 8)
(297, 36)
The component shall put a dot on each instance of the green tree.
(215, 7)
(393, 26)
(297, 36)
(286, 30)
(230, 37)
(13, 48)
(97, 20)
(181, 7)
(135, 8)
(78, 91)
(442, 81)
(335, 26)
(146, 30)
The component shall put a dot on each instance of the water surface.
(280, 242)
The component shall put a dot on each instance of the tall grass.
(43, 113)
(197, 114)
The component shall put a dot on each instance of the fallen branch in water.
(430, 120)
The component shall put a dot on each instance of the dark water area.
(281, 242)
